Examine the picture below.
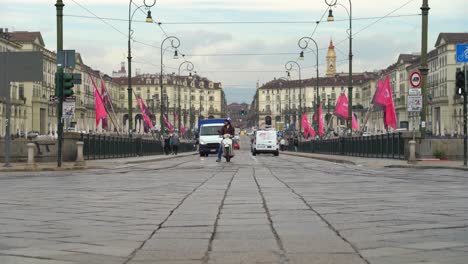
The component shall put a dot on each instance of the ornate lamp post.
(289, 65)
(303, 44)
(175, 43)
(149, 19)
(190, 69)
(331, 3)
(281, 104)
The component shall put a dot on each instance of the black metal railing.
(109, 147)
(390, 146)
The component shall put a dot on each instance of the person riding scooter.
(226, 129)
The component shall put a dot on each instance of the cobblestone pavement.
(260, 209)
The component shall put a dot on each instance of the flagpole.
(366, 118)
(111, 106)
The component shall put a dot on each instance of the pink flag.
(98, 103)
(380, 95)
(308, 129)
(320, 121)
(355, 122)
(182, 129)
(305, 124)
(341, 108)
(390, 115)
(168, 125)
(144, 112)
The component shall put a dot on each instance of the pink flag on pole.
(341, 108)
(98, 103)
(320, 121)
(168, 125)
(144, 112)
(355, 122)
(390, 115)
(182, 129)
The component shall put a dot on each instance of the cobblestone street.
(260, 209)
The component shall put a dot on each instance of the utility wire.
(237, 22)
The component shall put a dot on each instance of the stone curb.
(303, 155)
(426, 167)
(74, 168)
(186, 154)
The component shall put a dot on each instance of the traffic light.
(460, 83)
(67, 84)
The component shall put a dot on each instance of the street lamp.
(189, 67)
(281, 104)
(330, 18)
(149, 19)
(289, 65)
(175, 43)
(303, 44)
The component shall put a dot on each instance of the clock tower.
(331, 60)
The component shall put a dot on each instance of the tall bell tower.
(331, 60)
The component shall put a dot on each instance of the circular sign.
(415, 79)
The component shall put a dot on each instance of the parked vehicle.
(208, 136)
(265, 141)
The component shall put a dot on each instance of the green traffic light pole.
(149, 19)
(175, 43)
(331, 3)
(59, 8)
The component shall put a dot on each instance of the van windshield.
(210, 130)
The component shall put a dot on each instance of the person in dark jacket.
(226, 129)
(167, 144)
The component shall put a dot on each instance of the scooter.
(228, 151)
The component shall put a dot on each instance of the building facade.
(33, 109)
(278, 100)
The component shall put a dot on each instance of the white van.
(265, 141)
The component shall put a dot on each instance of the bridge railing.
(391, 145)
(109, 147)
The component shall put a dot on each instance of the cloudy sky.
(224, 44)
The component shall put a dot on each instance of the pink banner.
(169, 126)
(320, 121)
(145, 112)
(182, 130)
(341, 108)
(98, 103)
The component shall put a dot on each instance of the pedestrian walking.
(296, 143)
(175, 143)
(282, 144)
(167, 145)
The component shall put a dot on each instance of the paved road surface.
(260, 209)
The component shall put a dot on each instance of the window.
(211, 98)
(21, 91)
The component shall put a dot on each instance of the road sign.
(462, 53)
(53, 98)
(414, 91)
(69, 107)
(415, 79)
(414, 103)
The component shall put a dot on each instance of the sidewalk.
(379, 163)
(91, 164)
